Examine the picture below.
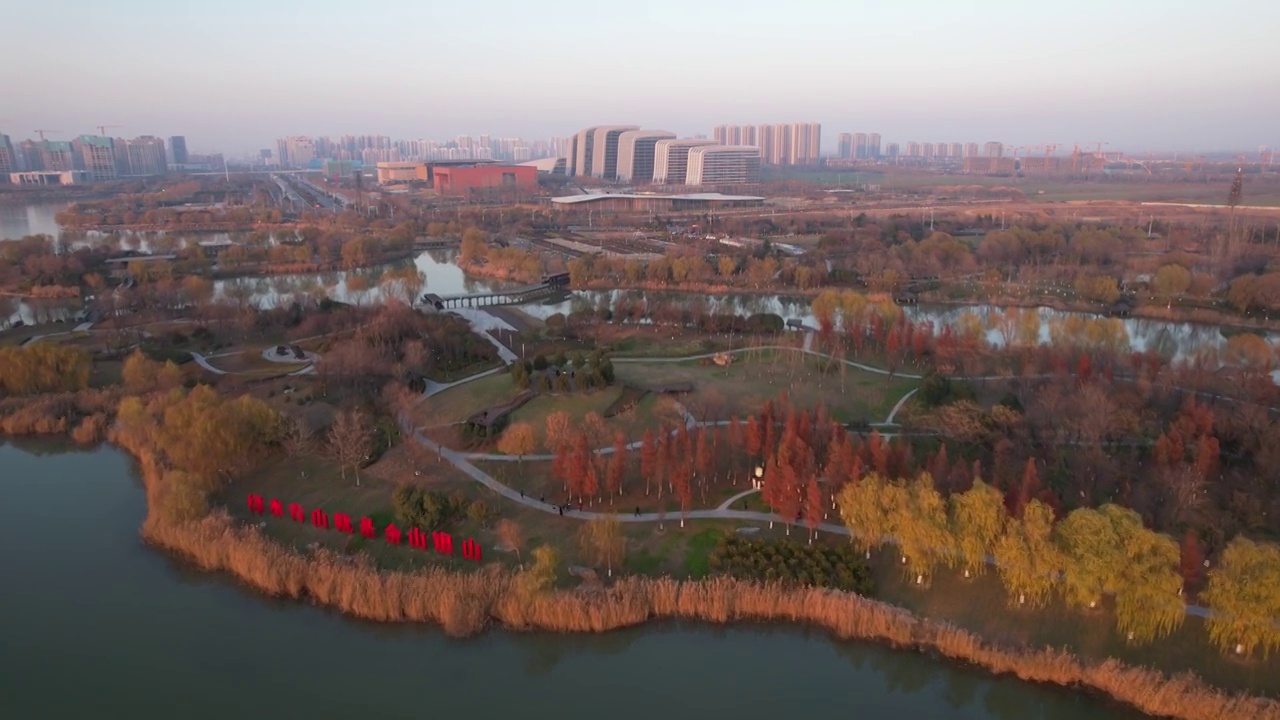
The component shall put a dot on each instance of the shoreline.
(1140, 312)
(466, 604)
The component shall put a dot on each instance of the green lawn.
(458, 403)
(648, 413)
(745, 386)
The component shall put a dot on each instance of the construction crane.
(102, 129)
(42, 132)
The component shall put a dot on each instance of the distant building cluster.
(629, 154)
(302, 152)
(858, 146)
(786, 144)
(88, 158)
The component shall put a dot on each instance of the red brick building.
(467, 181)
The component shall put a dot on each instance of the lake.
(96, 624)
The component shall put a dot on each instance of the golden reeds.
(465, 603)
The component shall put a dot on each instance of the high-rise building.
(891, 150)
(604, 161)
(844, 146)
(636, 150)
(30, 155)
(860, 146)
(971, 149)
(8, 159)
(594, 151)
(957, 150)
(781, 144)
(723, 165)
(300, 150)
(913, 149)
(145, 156)
(806, 144)
(178, 150)
(58, 156)
(926, 151)
(98, 155)
(993, 149)
(282, 152)
(671, 160)
(940, 150)
(873, 145)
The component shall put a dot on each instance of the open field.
(748, 383)
(649, 413)
(458, 403)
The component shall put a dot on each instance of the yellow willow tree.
(919, 521)
(1027, 558)
(861, 508)
(1090, 540)
(1149, 603)
(1244, 592)
(978, 517)
(1108, 551)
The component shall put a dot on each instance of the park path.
(461, 461)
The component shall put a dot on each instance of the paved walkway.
(204, 363)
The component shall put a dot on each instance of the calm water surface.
(18, 221)
(95, 624)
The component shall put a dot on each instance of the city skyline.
(1143, 76)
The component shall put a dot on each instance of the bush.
(792, 563)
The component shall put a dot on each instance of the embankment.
(467, 603)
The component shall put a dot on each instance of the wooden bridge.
(514, 296)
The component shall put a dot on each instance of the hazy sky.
(235, 74)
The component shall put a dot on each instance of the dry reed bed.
(465, 603)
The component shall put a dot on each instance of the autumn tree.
(557, 432)
(602, 541)
(1108, 551)
(351, 440)
(541, 575)
(518, 439)
(617, 466)
(1027, 558)
(648, 459)
(142, 375)
(861, 507)
(511, 535)
(1244, 592)
(977, 520)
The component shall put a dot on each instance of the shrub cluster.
(791, 563)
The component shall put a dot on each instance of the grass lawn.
(748, 383)
(458, 403)
(981, 605)
(648, 413)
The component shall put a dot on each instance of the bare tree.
(297, 438)
(351, 440)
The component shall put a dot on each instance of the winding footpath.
(724, 511)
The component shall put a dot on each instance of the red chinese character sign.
(417, 539)
(471, 550)
(367, 529)
(277, 508)
(255, 503)
(443, 542)
(296, 512)
(342, 522)
(393, 534)
(319, 518)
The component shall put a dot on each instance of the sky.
(233, 75)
